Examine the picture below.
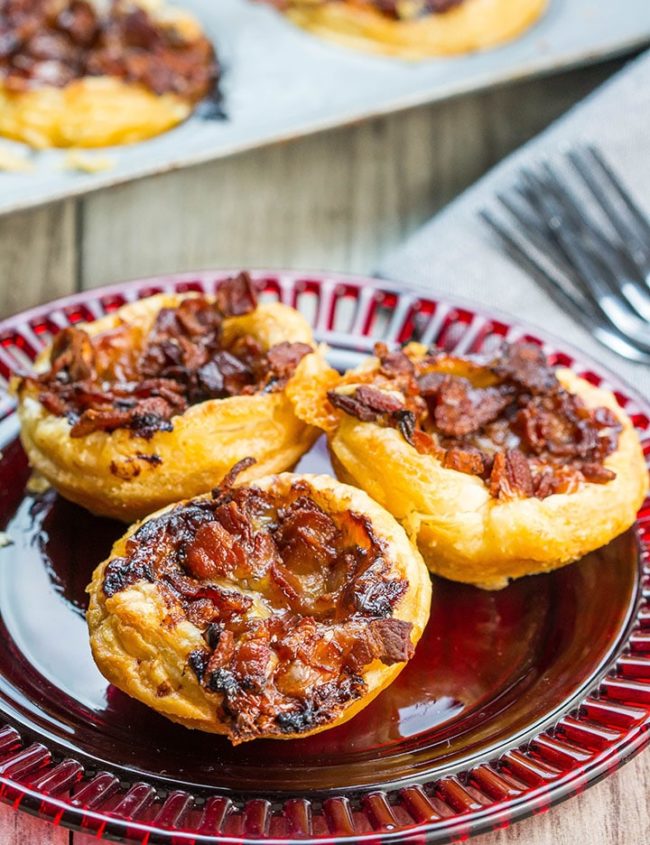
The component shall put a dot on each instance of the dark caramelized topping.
(505, 418)
(120, 379)
(293, 602)
(408, 10)
(54, 42)
(399, 10)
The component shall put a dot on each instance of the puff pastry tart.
(497, 466)
(415, 29)
(90, 74)
(156, 401)
(275, 609)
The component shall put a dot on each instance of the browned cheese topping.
(120, 379)
(506, 419)
(54, 42)
(293, 602)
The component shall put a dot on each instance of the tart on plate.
(497, 465)
(415, 29)
(91, 74)
(273, 609)
(156, 401)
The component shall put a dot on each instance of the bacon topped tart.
(157, 400)
(498, 466)
(415, 29)
(91, 73)
(272, 609)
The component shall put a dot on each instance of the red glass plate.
(515, 699)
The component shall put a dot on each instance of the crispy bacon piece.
(394, 639)
(236, 297)
(376, 400)
(367, 403)
(201, 613)
(306, 536)
(429, 384)
(505, 419)
(94, 419)
(423, 442)
(53, 403)
(233, 373)
(119, 380)
(285, 357)
(388, 640)
(227, 603)
(470, 461)
(289, 658)
(352, 406)
(79, 22)
(459, 409)
(54, 42)
(195, 317)
(525, 365)
(219, 658)
(597, 473)
(72, 354)
(511, 476)
(211, 555)
(393, 363)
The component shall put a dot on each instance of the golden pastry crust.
(113, 473)
(463, 531)
(92, 112)
(98, 111)
(144, 646)
(471, 26)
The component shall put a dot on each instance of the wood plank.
(338, 200)
(18, 828)
(613, 812)
(38, 256)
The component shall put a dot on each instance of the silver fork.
(575, 228)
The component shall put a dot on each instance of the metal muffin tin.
(282, 83)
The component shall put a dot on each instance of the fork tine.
(534, 226)
(601, 284)
(555, 207)
(596, 277)
(568, 203)
(621, 272)
(532, 223)
(581, 312)
(565, 234)
(528, 222)
(617, 343)
(565, 197)
(624, 228)
(625, 197)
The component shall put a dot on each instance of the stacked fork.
(574, 227)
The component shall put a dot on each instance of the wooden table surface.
(336, 201)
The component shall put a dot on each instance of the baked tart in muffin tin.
(156, 401)
(90, 74)
(497, 465)
(415, 29)
(273, 609)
